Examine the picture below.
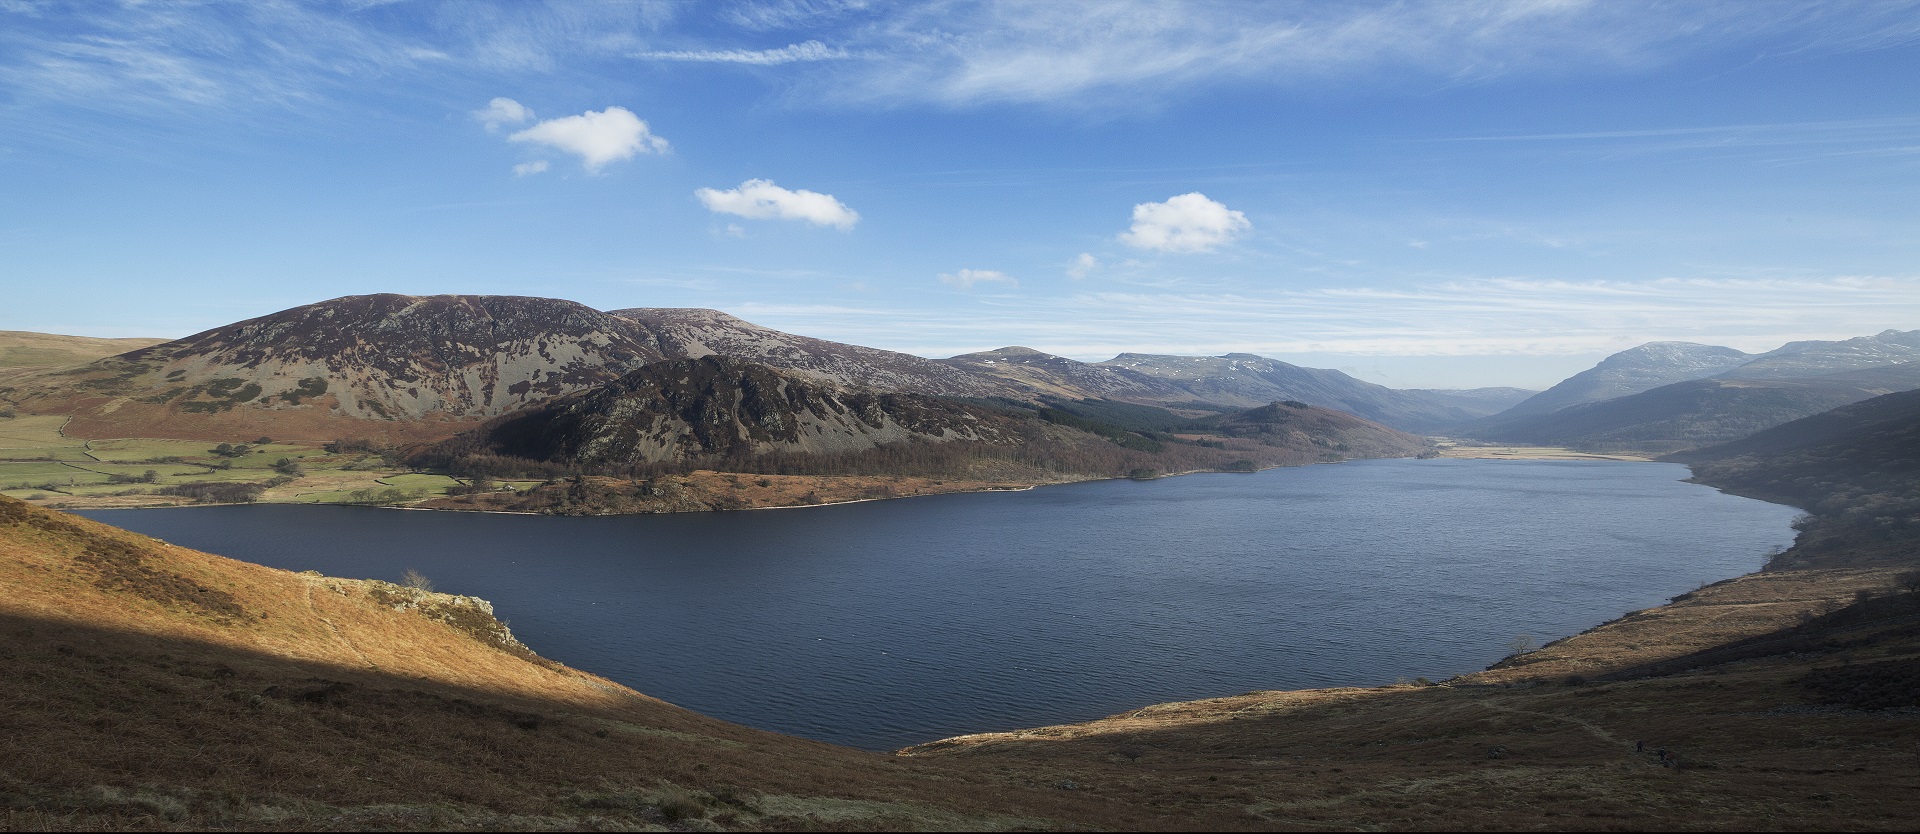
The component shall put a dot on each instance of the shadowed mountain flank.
(690, 409)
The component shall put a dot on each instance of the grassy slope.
(21, 349)
(153, 686)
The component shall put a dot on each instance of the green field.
(33, 433)
(437, 483)
(34, 456)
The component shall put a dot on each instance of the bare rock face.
(713, 406)
(388, 357)
(693, 333)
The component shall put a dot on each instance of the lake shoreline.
(1001, 539)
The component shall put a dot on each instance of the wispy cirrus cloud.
(965, 279)
(969, 52)
(955, 52)
(807, 51)
(1478, 317)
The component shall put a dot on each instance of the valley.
(543, 407)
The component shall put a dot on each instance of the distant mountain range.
(1667, 396)
(1236, 380)
(410, 367)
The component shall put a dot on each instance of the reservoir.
(889, 623)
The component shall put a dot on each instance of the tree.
(416, 580)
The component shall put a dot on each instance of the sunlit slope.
(21, 349)
(154, 686)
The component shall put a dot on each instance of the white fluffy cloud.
(966, 278)
(597, 136)
(1186, 223)
(761, 199)
(502, 111)
(529, 168)
(1082, 266)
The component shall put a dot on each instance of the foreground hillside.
(150, 686)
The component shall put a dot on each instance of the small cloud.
(1186, 223)
(734, 230)
(808, 51)
(502, 111)
(1417, 244)
(1082, 266)
(529, 168)
(598, 137)
(966, 278)
(761, 199)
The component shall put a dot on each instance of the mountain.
(1245, 380)
(329, 368)
(1630, 371)
(414, 367)
(1297, 423)
(1034, 373)
(719, 407)
(1855, 469)
(1700, 412)
(693, 333)
(1811, 358)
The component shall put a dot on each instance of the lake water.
(890, 623)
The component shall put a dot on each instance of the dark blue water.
(890, 623)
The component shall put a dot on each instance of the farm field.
(40, 464)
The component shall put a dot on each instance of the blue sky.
(1423, 194)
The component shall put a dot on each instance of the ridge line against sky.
(1425, 194)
